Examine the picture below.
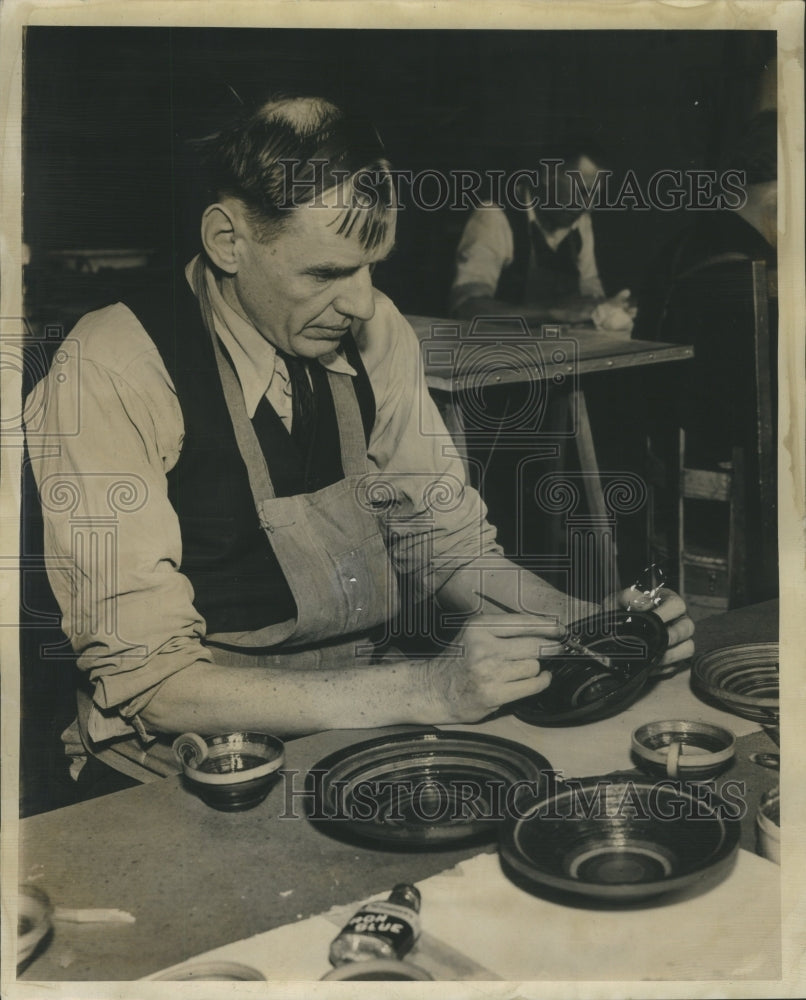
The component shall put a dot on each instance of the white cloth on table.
(474, 913)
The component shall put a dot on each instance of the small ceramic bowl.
(386, 969)
(230, 772)
(693, 751)
(34, 912)
(768, 826)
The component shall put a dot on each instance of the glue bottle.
(385, 929)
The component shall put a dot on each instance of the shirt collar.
(252, 355)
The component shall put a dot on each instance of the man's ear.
(218, 233)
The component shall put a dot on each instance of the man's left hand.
(671, 609)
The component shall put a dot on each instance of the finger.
(665, 603)
(525, 688)
(641, 602)
(528, 647)
(676, 654)
(509, 626)
(671, 606)
(680, 630)
(510, 671)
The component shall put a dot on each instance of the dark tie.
(303, 403)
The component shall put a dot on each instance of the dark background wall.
(106, 111)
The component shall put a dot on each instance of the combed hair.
(290, 151)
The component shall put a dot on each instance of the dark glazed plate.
(583, 690)
(620, 840)
(741, 679)
(423, 789)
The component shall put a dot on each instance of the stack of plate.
(741, 679)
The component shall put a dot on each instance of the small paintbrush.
(568, 642)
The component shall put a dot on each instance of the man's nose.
(355, 297)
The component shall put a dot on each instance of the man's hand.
(615, 315)
(499, 662)
(671, 609)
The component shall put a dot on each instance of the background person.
(535, 255)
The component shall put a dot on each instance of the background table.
(462, 360)
(196, 879)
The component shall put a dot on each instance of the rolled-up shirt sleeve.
(100, 450)
(485, 249)
(436, 523)
(589, 282)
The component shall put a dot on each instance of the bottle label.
(388, 919)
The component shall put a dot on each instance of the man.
(535, 256)
(285, 471)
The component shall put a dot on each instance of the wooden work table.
(458, 354)
(547, 367)
(196, 879)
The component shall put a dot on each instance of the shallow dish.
(620, 840)
(422, 790)
(582, 689)
(230, 772)
(34, 913)
(741, 679)
(690, 750)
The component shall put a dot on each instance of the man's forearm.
(511, 585)
(210, 698)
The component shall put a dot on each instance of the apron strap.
(248, 444)
(348, 414)
(351, 426)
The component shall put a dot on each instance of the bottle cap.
(406, 895)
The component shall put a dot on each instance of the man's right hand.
(498, 662)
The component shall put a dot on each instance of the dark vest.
(238, 584)
(557, 272)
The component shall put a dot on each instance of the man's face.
(304, 287)
(568, 195)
